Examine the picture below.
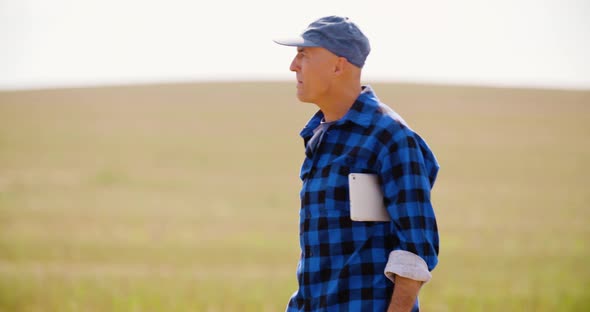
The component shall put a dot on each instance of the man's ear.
(340, 66)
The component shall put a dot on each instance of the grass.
(185, 197)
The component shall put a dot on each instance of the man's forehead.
(315, 51)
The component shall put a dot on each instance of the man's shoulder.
(387, 120)
(383, 114)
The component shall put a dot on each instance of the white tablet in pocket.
(366, 198)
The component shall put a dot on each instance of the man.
(348, 265)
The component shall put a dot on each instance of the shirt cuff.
(408, 265)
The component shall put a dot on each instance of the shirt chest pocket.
(325, 187)
(337, 171)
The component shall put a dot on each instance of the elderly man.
(348, 265)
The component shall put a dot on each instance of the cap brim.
(296, 42)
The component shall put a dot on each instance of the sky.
(522, 43)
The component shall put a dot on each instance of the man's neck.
(338, 105)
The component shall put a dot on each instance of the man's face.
(314, 68)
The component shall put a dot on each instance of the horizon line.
(110, 83)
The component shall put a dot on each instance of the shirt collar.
(360, 112)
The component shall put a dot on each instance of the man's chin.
(303, 98)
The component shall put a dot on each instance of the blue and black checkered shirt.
(342, 261)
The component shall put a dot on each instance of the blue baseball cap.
(336, 34)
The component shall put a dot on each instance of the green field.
(185, 197)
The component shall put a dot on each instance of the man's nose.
(294, 65)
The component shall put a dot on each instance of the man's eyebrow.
(300, 49)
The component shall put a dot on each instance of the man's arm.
(404, 295)
(408, 170)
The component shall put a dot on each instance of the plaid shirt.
(342, 261)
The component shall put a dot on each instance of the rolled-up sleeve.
(407, 176)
